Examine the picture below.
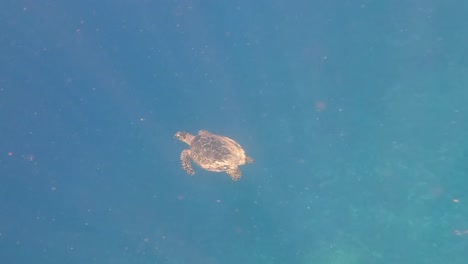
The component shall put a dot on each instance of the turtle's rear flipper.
(235, 174)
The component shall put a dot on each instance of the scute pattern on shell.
(216, 153)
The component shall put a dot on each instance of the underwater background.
(355, 112)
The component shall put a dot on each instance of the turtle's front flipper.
(185, 161)
(235, 174)
(204, 132)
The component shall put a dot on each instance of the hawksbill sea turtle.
(212, 153)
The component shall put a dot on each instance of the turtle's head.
(181, 135)
(184, 137)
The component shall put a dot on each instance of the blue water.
(355, 112)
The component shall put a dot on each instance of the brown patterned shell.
(216, 153)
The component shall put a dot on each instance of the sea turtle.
(212, 153)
